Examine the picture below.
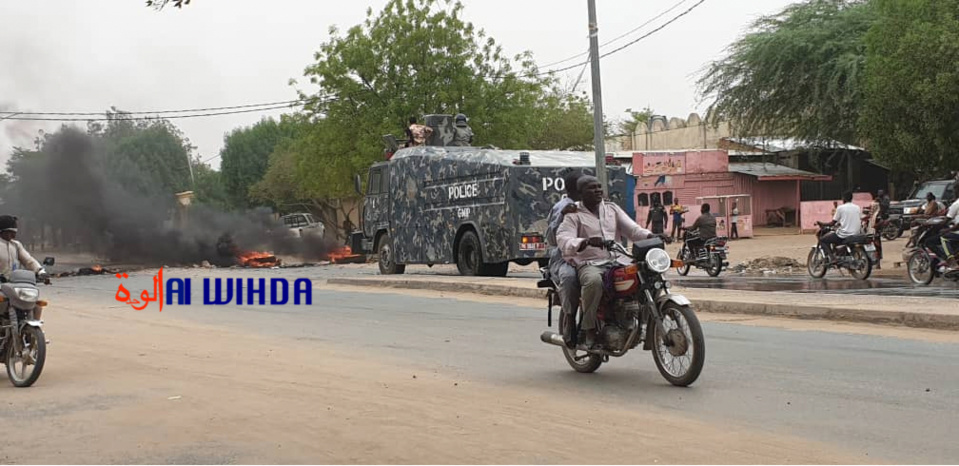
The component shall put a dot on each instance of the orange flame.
(257, 259)
(343, 254)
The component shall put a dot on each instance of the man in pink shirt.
(581, 238)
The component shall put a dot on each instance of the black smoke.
(69, 188)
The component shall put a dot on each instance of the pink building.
(765, 193)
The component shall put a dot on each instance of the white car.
(304, 223)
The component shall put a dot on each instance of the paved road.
(892, 399)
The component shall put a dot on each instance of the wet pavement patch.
(837, 285)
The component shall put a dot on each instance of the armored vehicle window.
(385, 182)
(376, 181)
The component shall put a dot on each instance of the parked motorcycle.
(711, 257)
(22, 342)
(925, 264)
(857, 254)
(892, 228)
(637, 307)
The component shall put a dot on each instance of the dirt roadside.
(124, 387)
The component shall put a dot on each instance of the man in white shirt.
(849, 218)
(581, 238)
(950, 236)
(14, 256)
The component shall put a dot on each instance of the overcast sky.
(72, 56)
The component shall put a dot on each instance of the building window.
(655, 198)
(642, 200)
(668, 198)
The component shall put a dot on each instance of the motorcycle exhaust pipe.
(552, 338)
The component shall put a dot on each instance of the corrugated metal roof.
(774, 171)
(788, 144)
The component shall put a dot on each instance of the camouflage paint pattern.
(436, 193)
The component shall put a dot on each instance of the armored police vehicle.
(480, 208)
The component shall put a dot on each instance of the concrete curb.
(810, 312)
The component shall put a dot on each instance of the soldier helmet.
(460, 117)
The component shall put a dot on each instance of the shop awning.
(775, 172)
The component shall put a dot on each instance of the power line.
(604, 44)
(604, 55)
(628, 44)
(263, 109)
(189, 110)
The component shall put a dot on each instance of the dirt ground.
(123, 387)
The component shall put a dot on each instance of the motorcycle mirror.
(48, 261)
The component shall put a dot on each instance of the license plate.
(870, 248)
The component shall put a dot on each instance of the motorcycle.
(22, 342)
(891, 228)
(636, 308)
(857, 254)
(712, 256)
(924, 264)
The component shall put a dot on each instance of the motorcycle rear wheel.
(685, 256)
(682, 361)
(17, 364)
(585, 365)
(715, 266)
(865, 270)
(890, 231)
(816, 263)
(919, 268)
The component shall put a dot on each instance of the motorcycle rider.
(849, 218)
(581, 238)
(561, 270)
(13, 255)
(706, 224)
(950, 238)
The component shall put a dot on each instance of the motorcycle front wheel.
(816, 263)
(24, 367)
(864, 269)
(580, 361)
(920, 268)
(681, 352)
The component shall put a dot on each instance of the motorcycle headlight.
(658, 260)
(28, 294)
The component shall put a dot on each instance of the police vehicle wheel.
(387, 261)
(469, 259)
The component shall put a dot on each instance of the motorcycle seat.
(856, 239)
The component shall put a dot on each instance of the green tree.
(630, 123)
(245, 157)
(419, 57)
(146, 156)
(798, 73)
(912, 87)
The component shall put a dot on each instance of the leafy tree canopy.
(245, 156)
(912, 86)
(419, 57)
(798, 73)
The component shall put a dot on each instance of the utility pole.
(598, 138)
